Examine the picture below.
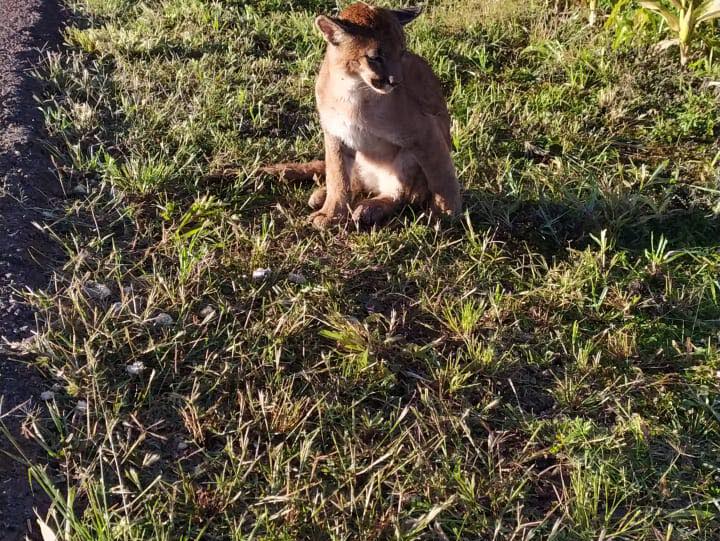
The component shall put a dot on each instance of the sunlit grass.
(545, 367)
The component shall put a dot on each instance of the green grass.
(545, 367)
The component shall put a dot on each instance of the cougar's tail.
(295, 172)
(291, 172)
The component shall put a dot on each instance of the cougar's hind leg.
(440, 174)
(391, 184)
(417, 193)
(375, 210)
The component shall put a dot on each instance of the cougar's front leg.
(435, 160)
(338, 166)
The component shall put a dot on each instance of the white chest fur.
(346, 128)
(348, 113)
(344, 113)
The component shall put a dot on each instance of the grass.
(545, 367)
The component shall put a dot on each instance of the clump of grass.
(545, 367)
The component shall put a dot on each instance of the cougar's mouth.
(383, 86)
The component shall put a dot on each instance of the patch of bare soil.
(28, 193)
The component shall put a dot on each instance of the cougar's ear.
(407, 15)
(332, 29)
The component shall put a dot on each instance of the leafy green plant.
(627, 22)
(688, 15)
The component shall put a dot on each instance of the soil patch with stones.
(28, 190)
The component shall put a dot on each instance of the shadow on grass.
(550, 227)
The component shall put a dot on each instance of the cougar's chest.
(353, 118)
(350, 129)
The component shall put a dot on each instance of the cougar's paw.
(317, 199)
(325, 217)
(320, 220)
(443, 205)
(369, 212)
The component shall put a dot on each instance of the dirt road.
(28, 190)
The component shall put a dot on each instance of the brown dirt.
(28, 192)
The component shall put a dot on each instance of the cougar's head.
(368, 43)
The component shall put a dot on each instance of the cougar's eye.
(374, 58)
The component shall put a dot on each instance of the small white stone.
(97, 291)
(296, 278)
(80, 190)
(163, 320)
(182, 446)
(259, 275)
(207, 312)
(47, 395)
(135, 368)
(81, 406)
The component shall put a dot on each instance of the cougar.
(385, 122)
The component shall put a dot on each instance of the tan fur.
(385, 122)
(295, 171)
